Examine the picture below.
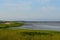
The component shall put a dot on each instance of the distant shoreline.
(10, 24)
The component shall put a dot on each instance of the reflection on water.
(41, 26)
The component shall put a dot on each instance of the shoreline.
(10, 24)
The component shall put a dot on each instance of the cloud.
(42, 1)
(47, 12)
(47, 9)
(22, 6)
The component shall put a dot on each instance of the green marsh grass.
(22, 34)
(12, 24)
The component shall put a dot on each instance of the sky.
(30, 10)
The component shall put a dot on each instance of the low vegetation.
(12, 24)
(21, 34)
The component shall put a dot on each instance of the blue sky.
(39, 10)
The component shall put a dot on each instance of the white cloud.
(42, 1)
(50, 12)
(21, 6)
(47, 9)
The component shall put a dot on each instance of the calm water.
(41, 26)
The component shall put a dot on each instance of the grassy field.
(12, 24)
(22, 34)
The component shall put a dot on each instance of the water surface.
(41, 26)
